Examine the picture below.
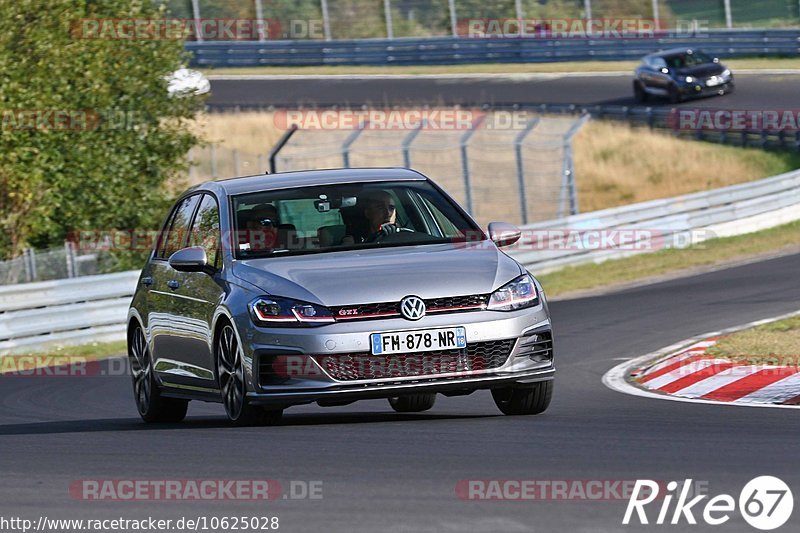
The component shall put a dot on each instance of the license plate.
(426, 340)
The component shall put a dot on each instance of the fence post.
(260, 21)
(569, 190)
(519, 13)
(656, 17)
(587, 5)
(198, 27)
(273, 154)
(728, 15)
(407, 143)
(451, 4)
(213, 149)
(387, 11)
(349, 141)
(464, 141)
(192, 167)
(523, 199)
(326, 20)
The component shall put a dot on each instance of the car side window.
(205, 229)
(179, 226)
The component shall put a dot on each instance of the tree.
(88, 133)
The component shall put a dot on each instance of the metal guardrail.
(668, 223)
(94, 308)
(662, 118)
(455, 50)
(77, 310)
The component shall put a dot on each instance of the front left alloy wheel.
(233, 387)
(152, 406)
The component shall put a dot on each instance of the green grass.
(494, 68)
(776, 343)
(670, 261)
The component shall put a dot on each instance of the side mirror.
(715, 60)
(504, 234)
(191, 259)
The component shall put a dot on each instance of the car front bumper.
(308, 381)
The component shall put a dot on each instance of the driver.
(380, 213)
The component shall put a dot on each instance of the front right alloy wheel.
(524, 400)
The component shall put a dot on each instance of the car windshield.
(328, 218)
(688, 60)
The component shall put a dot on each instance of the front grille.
(362, 365)
(447, 304)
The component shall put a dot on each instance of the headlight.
(726, 73)
(271, 311)
(689, 79)
(518, 294)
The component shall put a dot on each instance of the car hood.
(382, 275)
(703, 71)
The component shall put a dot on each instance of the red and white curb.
(685, 372)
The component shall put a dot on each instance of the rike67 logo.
(765, 503)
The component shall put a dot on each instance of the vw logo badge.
(412, 307)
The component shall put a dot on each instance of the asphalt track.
(387, 472)
(753, 91)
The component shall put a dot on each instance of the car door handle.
(147, 281)
(173, 284)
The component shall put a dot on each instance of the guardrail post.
(407, 143)
(523, 198)
(273, 154)
(728, 16)
(349, 141)
(69, 256)
(464, 142)
(29, 261)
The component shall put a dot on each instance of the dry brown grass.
(618, 164)
(615, 163)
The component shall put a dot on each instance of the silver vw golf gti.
(333, 286)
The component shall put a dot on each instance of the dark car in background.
(679, 74)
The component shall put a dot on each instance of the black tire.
(675, 95)
(413, 403)
(152, 406)
(639, 93)
(730, 88)
(233, 386)
(529, 400)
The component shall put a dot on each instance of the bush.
(89, 134)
